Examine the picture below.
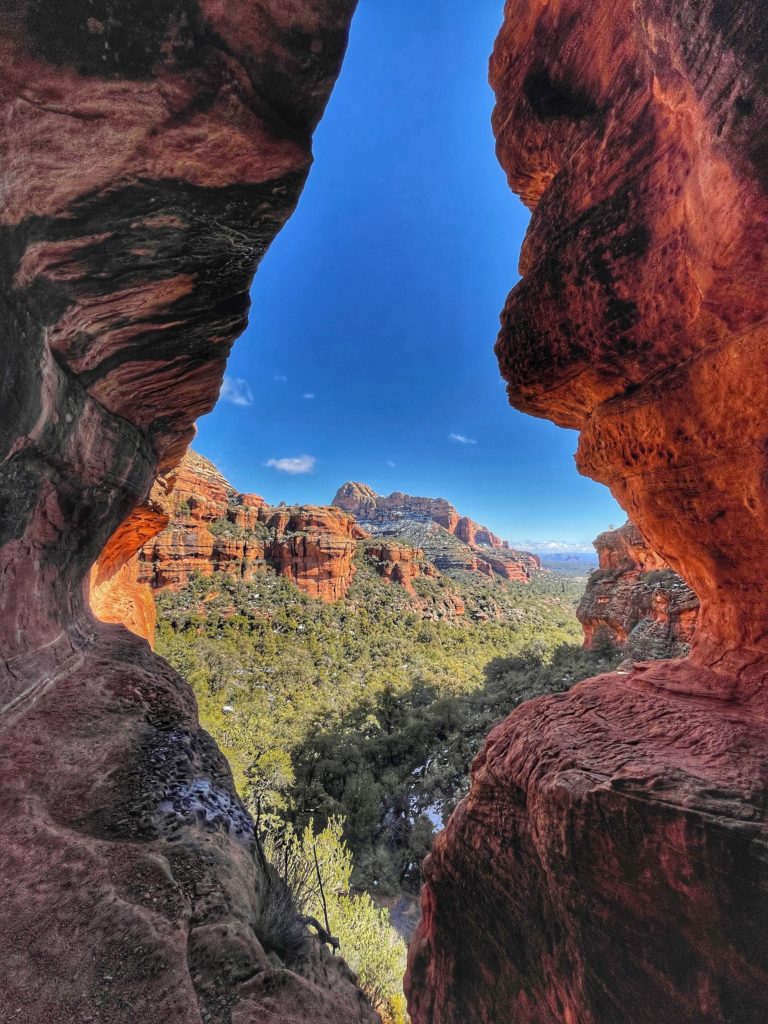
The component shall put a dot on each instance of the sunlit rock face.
(211, 529)
(635, 601)
(610, 862)
(151, 151)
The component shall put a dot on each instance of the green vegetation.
(317, 870)
(226, 528)
(353, 725)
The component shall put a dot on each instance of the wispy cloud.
(554, 547)
(298, 464)
(461, 439)
(280, 377)
(308, 394)
(391, 464)
(236, 391)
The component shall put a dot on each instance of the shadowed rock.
(151, 151)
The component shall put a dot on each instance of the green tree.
(317, 868)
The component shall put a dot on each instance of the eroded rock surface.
(211, 529)
(150, 152)
(611, 860)
(635, 601)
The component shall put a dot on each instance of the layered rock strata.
(635, 601)
(610, 862)
(208, 528)
(399, 563)
(212, 529)
(151, 151)
(398, 513)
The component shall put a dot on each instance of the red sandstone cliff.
(396, 513)
(151, 151)
(197, 523)
(213, 529)
(609, 862)
(636, 601)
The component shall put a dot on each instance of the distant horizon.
(369, 353)
(538, 547)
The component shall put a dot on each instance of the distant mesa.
(452, 542)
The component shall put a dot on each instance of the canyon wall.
(197, 524)
(150, 152)
(635, 601)
(610, 862)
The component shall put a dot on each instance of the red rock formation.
(315, 547)
(366, 505)
(151, 151)
(609, 863)
(390, 515)
(213, 529)
(636, 601)
(473, 534)
(399, 563)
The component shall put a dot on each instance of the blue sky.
(369, 354)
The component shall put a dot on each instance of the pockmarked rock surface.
(470, 546)
(610, 862)
(636, 601)
(150, 152)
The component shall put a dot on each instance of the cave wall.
(150, 153)
(610, 862)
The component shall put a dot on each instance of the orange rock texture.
(151, 152)
(609, 862)
(635, 601)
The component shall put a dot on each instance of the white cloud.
(280, 377)
(298, 464)
(576, 547)
(391, 464)
(308, 394)
(461, 439)
(236, 391)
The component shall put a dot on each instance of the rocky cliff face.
(151, 151)
(212, 529)
(636, 601)
(403, 515)
(399, 563)
(207, 527)
(609, 862)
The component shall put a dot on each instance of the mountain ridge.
(404, 516)
(201, 524)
